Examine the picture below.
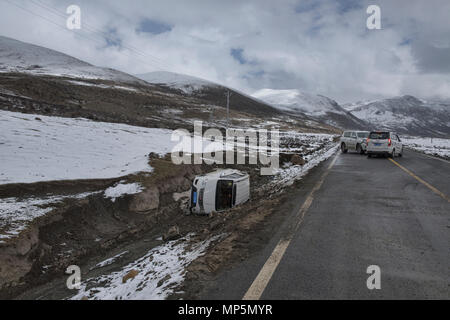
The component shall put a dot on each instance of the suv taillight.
(368, 140)
(389, 142)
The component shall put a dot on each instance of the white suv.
(384, 143)
(354, 140)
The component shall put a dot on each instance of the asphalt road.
(366, 212)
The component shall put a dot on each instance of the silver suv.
(384, 143)
(354, 140)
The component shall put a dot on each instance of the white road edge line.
(262, 279)
(427, 155)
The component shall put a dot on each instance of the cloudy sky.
(320, 46)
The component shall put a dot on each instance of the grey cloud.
(321, 46)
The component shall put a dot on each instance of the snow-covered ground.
(39, 148)
(160, 271)
(432, 146)
(16, 214)
(319, 147)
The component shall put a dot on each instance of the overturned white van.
(219, 191)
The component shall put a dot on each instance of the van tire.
(344, 148)
(369, 155)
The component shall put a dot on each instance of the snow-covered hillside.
(294, 100)
(316, 106)
(17, 56)
(405, 114)
(185, 83)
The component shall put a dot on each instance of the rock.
(214, 225)
(176, 184)
(172, 234)
(296, 160)
(153, 155)
(212, 214)
(145, 201)
(130, 275)
(161, 282)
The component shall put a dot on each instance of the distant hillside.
(318, 107)
(406, 115)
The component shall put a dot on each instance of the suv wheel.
(344, 148)
(359, 149)
(392, 155)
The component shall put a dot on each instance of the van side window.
(347, 134)
(224, 195)
(353, 135)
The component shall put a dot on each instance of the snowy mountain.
(317, 107)
(17, 56)
(406, 114)
(185, 83)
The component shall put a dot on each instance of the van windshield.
(363, 134)
(379, 135)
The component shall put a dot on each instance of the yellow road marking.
(429, 186)
(262, 279)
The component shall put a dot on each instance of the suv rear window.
(363, 134)
(379, 135)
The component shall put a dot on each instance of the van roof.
(226, 174)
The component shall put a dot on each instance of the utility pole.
(228, 95)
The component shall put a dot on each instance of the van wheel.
(369, 155)
(344, 148)
(359, 149)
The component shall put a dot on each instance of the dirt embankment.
(80, 229)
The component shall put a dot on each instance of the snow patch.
(122, 189)
(109, 261)
(185, 83)
(160, 271)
